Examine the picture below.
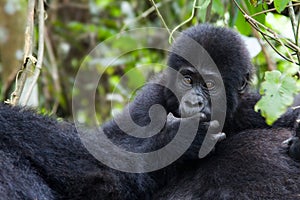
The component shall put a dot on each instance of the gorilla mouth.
(190, 111)
(201, 115)
(190, 107)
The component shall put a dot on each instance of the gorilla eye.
(243, 87)
(210, 85)
(188, 80)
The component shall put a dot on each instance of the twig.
(20, 80)
(161, 18)
(208, 11)
(28, 60)
(295, 27)
(184, 22)
(54, 71)
(258, 26)
(145, 14)
(270, 62)
(28, 46)
(40, 50)
(273, 9)
(275, 37)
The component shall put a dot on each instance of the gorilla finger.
(288, 141)
(199, 116)
(214, 124)
(219, 136)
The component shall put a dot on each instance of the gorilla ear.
(244, 85)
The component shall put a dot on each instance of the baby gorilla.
(47, 159)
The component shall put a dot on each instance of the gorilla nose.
(195, 104)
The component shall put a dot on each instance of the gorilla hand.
(204, 142)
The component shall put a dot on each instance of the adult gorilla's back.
(249, 165)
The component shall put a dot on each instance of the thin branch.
(208, 11)
(54, 71)
(295, 27)
(28, 60)
(161, 17)
(145, 14)
(41, 34)
(258, 26)
(40, 50)
(273, 9)
(184, 22)
(28, 45)
(275, 38)
(270, 62)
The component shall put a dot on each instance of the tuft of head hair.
(225, 47)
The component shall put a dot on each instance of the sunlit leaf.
(254, 2)
(277, 92)
(280, 5)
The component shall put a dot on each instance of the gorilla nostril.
(201, 105)
(189, 104)
(195, 104)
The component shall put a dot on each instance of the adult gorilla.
(49, 160)
(250, 164)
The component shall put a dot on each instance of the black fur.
(52, 152)
(294, 147)
(51, 162)
(228, 52)
(248, 165)
(251, 164)
(19, 180)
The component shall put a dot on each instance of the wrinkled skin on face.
(194, 92)
(222, 59)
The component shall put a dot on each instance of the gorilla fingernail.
(202, 116)
(214, 124)
(219, 136)
(287, 141)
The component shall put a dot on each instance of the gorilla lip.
(202, 116)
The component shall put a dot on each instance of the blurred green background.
(75, 27)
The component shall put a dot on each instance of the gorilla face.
(194, 92)
(195, 96)
(228, 53)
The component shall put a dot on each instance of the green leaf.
(124, 43)
(255, 2)
(277, 92)
(218, 7)
(75, 26)
(202, 4)
(242, 25)
(136, 79)
(280, 5)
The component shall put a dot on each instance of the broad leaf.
(277, 92)
(280, 5)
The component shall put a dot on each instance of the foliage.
(280, 5)
(76, 27)
(277, 91)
